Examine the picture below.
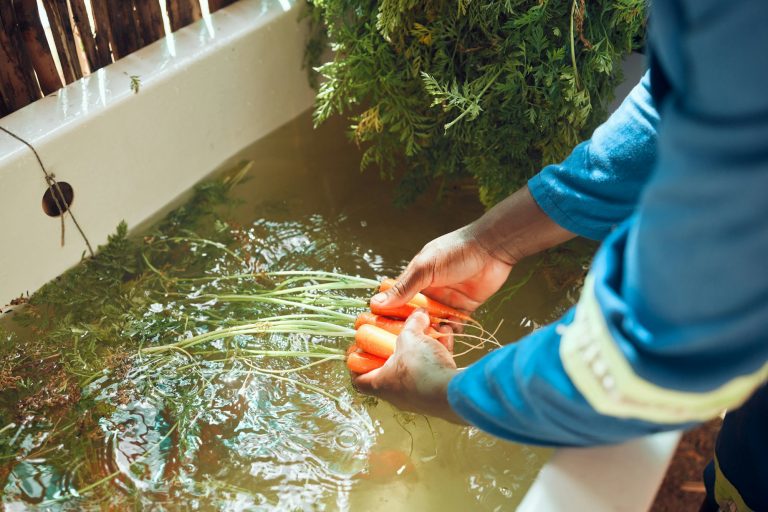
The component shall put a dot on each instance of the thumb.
(366, 383)
(415, 278)
(415, 326)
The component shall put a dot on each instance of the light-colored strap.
(599, 370)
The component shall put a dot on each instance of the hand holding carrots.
(461, 270)
(376, 332)
(405, 354)
(454, 269)
(415, 377)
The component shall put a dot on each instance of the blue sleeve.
(523, 393)
(598, 185)
(670, 328)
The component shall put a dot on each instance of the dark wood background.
(27, 65)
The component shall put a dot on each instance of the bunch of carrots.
(316, 309)
(376, 331)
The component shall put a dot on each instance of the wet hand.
(454, 269)
(415, 378)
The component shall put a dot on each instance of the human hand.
(415, 378)
(455, 269)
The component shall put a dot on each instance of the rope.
(58, 195)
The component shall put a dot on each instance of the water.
(220, 435)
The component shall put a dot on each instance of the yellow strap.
(599, 370)
(726, 493)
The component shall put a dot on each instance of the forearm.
(598, 186)
(517, 227)
(592, 191)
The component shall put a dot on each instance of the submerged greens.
(122, 373)
(170, 371)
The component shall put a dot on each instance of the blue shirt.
(675, 183)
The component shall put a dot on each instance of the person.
(670, 328)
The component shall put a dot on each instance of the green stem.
(297, 368)
(477, 100)
(282, 302)
(279, 353)
(371, 282)
(311, 327)
(306, 274)
(153, 268)
(315, 287)
(271, 353)
(573, 46)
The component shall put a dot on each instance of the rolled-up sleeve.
(597, 187)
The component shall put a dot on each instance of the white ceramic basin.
(235, 76)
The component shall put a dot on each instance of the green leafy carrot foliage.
(456, 91)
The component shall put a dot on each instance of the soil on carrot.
(683, 489)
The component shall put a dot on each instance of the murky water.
(225, 436)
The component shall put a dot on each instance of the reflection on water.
(227, 438)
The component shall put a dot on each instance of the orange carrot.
(433, 307)
(401, 312)
(362, 362)
(375, 340)
(385, 465)
(368, 318)
(388, 324)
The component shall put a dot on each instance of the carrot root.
(401, 312)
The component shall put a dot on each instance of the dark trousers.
(737, 479)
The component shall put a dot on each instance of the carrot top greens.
(482, 92)
(153, 330)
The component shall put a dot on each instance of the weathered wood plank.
(4, 110)
(150, 20)
(38, 50)
(12, 29)
(125, 34)
(14, 88)
(215, 5)
(80, 17)
(16, 74)
(183, 12)
(64, 38)
(103, 30)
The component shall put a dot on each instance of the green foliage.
(487, 90)
(78, 371)
(87, 313)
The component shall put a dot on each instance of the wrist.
(490, 237)
(448, 413)
(431, 386)
(515, 228)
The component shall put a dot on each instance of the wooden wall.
(28, 68)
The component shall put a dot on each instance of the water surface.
(155, 433)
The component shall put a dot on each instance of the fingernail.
(379, 297)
